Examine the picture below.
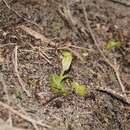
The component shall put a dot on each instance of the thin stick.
(25, 113)
(122, 2)
(114, 94)
(115, 68)
(44, 56)
(15, 59)
(27, 118)
(7, 45)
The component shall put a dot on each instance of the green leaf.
(66, 61)
(113, 44)
(56, 27)
(19, 95)
(80, 90)
(57, 84)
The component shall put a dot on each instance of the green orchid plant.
(57, 82)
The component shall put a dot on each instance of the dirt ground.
(26, 62)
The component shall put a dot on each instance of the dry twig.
(27, 118)
(15, 63)
(7, 45)
(114, 94)
(122, 2)
(25, 113)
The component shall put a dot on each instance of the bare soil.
(36, 61)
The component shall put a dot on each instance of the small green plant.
(56, 27)
(57, 82)
(17, 94)
(79, 89)
(66, 61)
(113, 44)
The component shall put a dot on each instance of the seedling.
(66, 61)
(113, 44)
(57, 85)
(56, 27)
(79, 89)
(57, 82)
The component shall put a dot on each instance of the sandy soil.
(35, 62)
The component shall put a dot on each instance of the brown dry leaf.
(37, 35)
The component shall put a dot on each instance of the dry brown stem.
(15, 63)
